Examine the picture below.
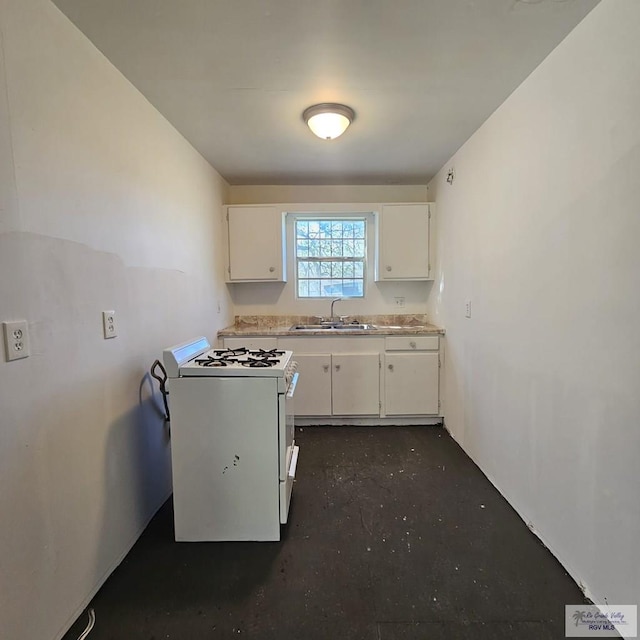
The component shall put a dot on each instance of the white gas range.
(232, 440)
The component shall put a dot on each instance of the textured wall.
(103, 205)
(540, 231)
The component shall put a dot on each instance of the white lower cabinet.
(345, 384)
(313, 391)
(411, 376)
(355, 384)
(411, 384)
(362, 378)
(338, 376)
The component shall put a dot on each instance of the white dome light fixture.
(328, 120)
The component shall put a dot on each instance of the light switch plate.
(16, 339)
(467, 309)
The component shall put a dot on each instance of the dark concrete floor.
(394, 534)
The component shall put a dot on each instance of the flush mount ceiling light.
(328, 120)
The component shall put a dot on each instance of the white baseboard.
(367, 422)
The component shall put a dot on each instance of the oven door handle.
(292, 385)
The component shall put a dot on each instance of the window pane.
(330, 257)
(336, 248)
(302, 248)
(325, 229)
(336, 269)
(325, 248)
(314, 288)
(302, 229)
(336, 229)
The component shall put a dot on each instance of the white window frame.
(366, 216)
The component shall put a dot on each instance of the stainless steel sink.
(331, 327)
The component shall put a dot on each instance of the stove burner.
(210, 361)
(255, 358)
(258, 362)
(275, 353)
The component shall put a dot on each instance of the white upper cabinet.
(403, 242)
(256, 244)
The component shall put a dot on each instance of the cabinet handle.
(390, 367)
(388, 268)
(272, 269)
(337, 367)
(325, 367)
(412, 344)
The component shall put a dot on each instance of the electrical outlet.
(16, 339)
(109, 324)
(467, 309)
(399, 301)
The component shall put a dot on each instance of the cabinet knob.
(412, 344)
(325, 368)
(388, 268)
(390, 367)
(272, 269)
(337, 367)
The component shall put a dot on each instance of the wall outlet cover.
(16, 339)
(109, 325)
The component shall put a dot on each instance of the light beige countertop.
(404, 324)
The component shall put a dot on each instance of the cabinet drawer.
(411, 343)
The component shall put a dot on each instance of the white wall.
(280, 299)
(103, 205)
(540, 229)
(266, 194)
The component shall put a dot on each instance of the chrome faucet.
(333, 318)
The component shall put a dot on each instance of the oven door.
(288, 452)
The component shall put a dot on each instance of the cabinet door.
(313, 391)
(355, 384)
(403, 242)
(411, 384)
(256, 244)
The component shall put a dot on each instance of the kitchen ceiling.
(234, 76)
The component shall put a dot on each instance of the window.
(330, 257)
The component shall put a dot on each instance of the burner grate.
(253, 358)
(259, 362)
